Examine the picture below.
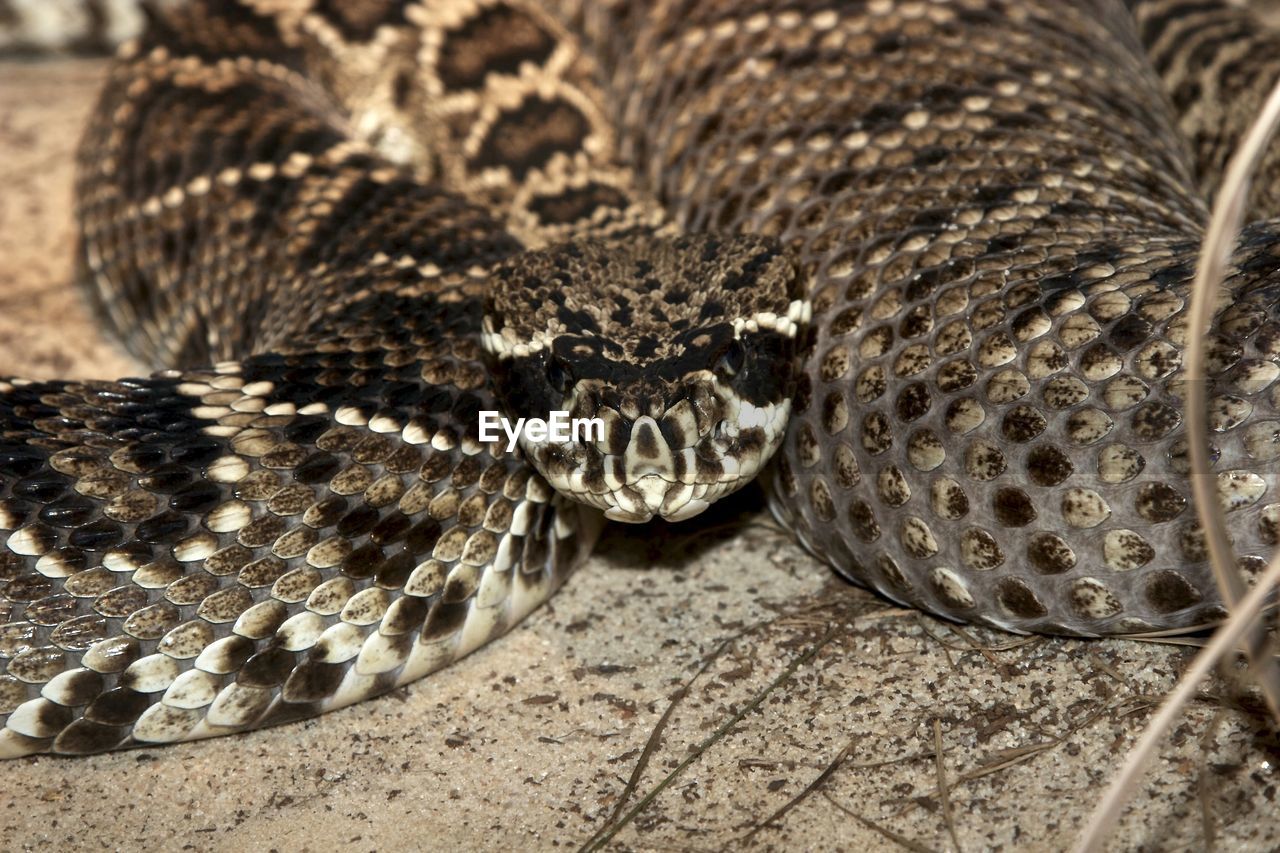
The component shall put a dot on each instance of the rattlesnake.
(938, 252)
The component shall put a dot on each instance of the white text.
(560, 428)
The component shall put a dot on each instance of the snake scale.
(934, 253)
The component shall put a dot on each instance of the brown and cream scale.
(924, 265)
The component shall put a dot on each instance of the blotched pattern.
(1000, 225)
(313, 520)
(995, 207)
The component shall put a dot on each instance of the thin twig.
(975, 645)
(725, 728)
(1108, 810)
(1108, 669)
(942, 784)
(1215, 252)
(914, 846)
(1205, 790)
(817, 783)
(1016, 756)
(655, 736)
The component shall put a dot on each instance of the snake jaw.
(671, 446)
(652, 490)
(647, 478)
(683, 348)
(693, 393)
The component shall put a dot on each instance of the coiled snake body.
(950, 242)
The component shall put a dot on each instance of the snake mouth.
(654, 495)
(645, 478)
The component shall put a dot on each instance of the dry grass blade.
(1219, 243)
(1108, 811)
(1205, 782)
(817, 783)
(655, 735)
(943, 796)
(896, 838)
(1215, 253)
(601, 839)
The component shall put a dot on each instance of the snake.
(922, 267)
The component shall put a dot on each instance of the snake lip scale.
(922, 266)
(682, 348)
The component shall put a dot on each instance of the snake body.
(951, 241)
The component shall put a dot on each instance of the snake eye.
(731, 360)
(558, 375)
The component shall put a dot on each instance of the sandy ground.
(755, 701)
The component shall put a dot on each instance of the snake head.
(671, 360)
